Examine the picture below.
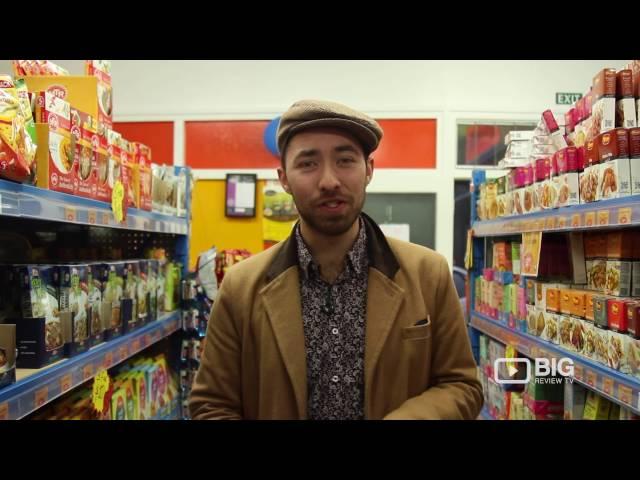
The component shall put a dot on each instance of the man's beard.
(332, 226)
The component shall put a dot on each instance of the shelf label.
(87, 372)
(551, 223)
(591, 378)
(105, 218)
(100, 389)
(624, 394)
(70, 214)
(603, 218)
(108, 360)
(92, 217)
(65, 383)
(578, 373)
(41, 397)
(624, 215)
(4, 411)
(123, 352)
(562, 222)
(590, 219)
(135, 345)
(607, 386)
(576, 220)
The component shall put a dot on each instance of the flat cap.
(306, 114)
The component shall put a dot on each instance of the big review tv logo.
(546, 370)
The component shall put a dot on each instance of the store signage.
(563, 98)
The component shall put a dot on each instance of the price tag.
(624, 394)
(4, 411)
(551, 223)
(576, 220)
(591, 378)
(70, 214)
(562, 222)
(578, 373)
(607, 386)
(41, 397)
(117, 195)
(65, 383)
(92, 217)
(100, 388)
(105, 218)
(148, 339)
(123, 353)
(590, 219)
(87, 372)
(603, 218)
(135, 345)
(108, 359)
(624, 215)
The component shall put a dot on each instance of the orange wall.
(211, 227)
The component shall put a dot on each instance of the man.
(337, 321)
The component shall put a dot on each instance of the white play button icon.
(512, 370)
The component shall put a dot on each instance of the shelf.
(597, 215)
(26, 201)
(35, 388)
(611, 384)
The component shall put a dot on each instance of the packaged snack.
(614, 177)
(131, 279)
(604, 102)
(102, 70)
(625, 103)
(7, 354)
(99, 309)
(74, 302)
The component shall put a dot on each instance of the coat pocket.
(417, 332)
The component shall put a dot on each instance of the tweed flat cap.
(307, 114)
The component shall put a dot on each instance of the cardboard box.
(143, 297)
(565, 301)
(112, 276)
(518, 136)
(54, 160)
(161, 287)
(128, 174)
(565, 327)
(633, 356)
(40, 331)
(530, 199)
(590, 175)
(597, 274)
(530, 289)
(604, 102)
(634, 162)
(7, 355)
(103, 182)
(625, 102)
(131, 280)
(600, 311)
(578, 305)
(99, 309)
(633, 318)
(601, 340)
(617, 314)
(101, 70)
(615, 350)
(614, 177)
(553, 300)
(115, 159)
(589, 349)
(618, 278)
(79, 91)
(588, 311)
(567, 189)
(74, 303)
(84, 133)
(550, 330)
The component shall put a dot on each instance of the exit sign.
(567, 98)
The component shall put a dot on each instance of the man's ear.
(369, 169)
(282, 176)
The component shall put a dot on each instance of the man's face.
(327, 174)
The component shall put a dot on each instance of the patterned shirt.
(334, 317)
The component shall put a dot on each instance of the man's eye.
(346, 160)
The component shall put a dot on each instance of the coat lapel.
(281, 299)
(384, 298)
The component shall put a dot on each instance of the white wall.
(446, 90)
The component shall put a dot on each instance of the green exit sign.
(567, 98)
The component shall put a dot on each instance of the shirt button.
(335, 379)
(334, 331)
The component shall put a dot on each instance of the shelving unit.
(35, 388)
(58, 211)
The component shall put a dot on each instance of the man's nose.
(329, 179)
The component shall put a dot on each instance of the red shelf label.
(108, 360)
(551, 223)
(135, 345)
(603, 218)
(65, 383)
(576, 220)
(4, 411)
(123, 352)
(591, 378)
(70, 214)
(105, 218)
(624, 216)
(625, 394)
(41, 397)
(87, 372)
(607, 386)
(92, 217)
(562, 222)
(578, 373)
(590, 219)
